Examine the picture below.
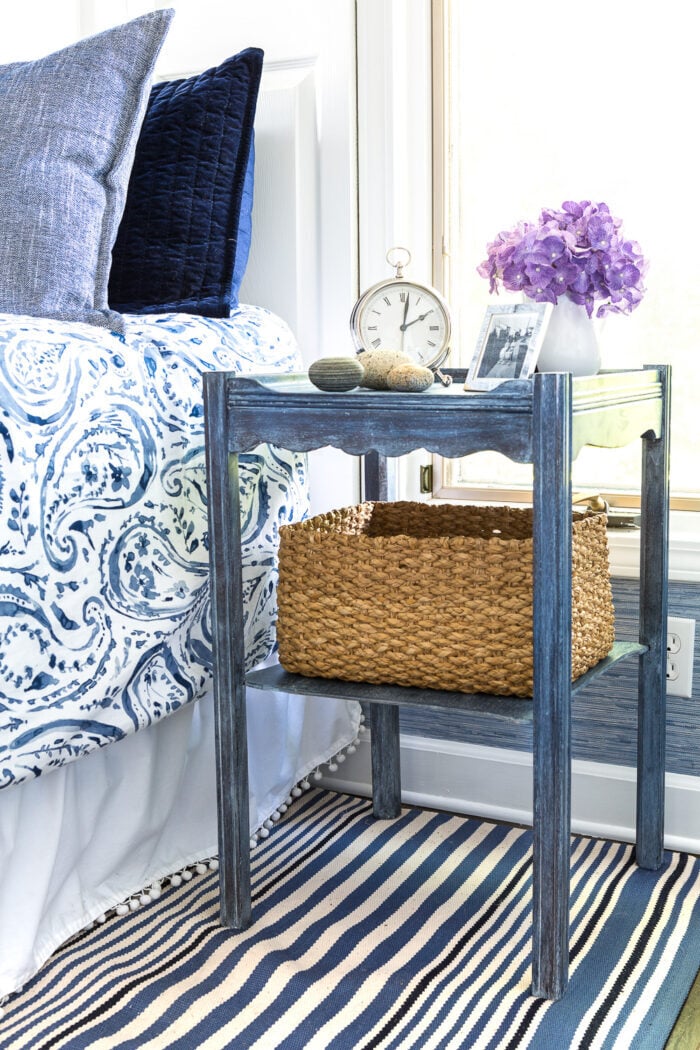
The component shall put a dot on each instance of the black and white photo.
(508, 343)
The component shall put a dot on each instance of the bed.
(106, 711)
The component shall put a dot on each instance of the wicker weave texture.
(438, 596)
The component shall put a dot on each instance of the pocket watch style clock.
(403, 315)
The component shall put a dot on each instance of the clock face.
(399, 315)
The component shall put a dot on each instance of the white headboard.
(284, 262)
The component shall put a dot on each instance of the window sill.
(623, 544)
(684, 533)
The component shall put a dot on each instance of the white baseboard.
(496, 783)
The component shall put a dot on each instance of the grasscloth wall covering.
(604, 714)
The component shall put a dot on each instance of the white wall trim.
(496, 784)
(684, 549)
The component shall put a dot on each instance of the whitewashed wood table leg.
(231, 743)
(385, 745)
(386, 762)
(552, 683)
(653, 612)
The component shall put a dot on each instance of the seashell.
(412, 378)
(378, 363)
(336, 373)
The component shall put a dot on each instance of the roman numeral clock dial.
(398, 314)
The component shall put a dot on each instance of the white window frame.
(394, 117)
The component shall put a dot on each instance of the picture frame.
(509, 342)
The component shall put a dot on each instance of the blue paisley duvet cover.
(104, 595)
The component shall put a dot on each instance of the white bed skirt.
(79, 840)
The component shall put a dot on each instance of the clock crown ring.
(398, 258)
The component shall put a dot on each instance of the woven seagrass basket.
(438, 596)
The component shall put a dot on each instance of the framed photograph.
(508, 345)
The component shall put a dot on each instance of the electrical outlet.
(680, 646)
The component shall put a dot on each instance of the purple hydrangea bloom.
(578, 251)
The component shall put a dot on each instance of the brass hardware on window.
(426, 479)
(594, 502)
(618, 517)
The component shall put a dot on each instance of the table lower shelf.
(511, 709)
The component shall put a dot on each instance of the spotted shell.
(413, 378)
(378, 363)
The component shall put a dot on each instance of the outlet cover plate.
(679, 681)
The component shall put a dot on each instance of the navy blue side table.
(544, 421)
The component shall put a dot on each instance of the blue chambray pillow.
(184, 238)
(245, 226)
(70, 122)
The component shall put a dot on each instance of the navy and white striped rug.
(413, 933)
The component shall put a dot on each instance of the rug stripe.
(651, 960)
(303, 949)
(362, 898)
(204, 956)
(514, 967)
(137, 959)
(417, 962)
(412, 999)
(68, 994)
(341, 944)
(654, 986)
(595, 970)
(506, 1001)
(413, 934)
(214, 960)
(458, 995)
(405, 922)
(462, 1008)
(404, 964)
(592, 900)
(602, 1014)
(516, 1016)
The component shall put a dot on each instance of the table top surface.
(610, 409)
(515, 395)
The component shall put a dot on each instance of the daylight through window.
(545, 104)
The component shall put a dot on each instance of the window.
(546, 103)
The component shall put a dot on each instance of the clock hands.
(422, 317)
(402, 328)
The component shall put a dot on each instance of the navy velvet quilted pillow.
(183, 240)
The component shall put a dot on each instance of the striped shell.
(336, 373)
